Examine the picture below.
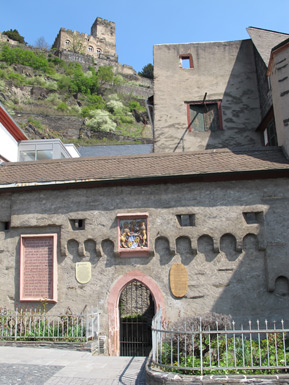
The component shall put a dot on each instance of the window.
(254, 218)
(186, 220)
(90, 48)
(98, 50)
(35, 155)
(77, 224)
(67, 42)
(38, 267)
(270, 135)
(4, 226)
(204, 116)
(186, 61)
(133, 239)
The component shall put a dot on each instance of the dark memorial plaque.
(179, 280)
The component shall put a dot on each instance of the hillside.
(52, 98)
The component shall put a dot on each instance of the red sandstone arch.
(113, 300)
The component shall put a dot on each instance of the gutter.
(185, 178)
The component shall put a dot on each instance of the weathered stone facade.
(222, 71)
(236, 265)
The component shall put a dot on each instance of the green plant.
(14, 35)
(147, 71)
(62, 107)
(100, 120)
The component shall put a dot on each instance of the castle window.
(90, 48)
(77, 224)
(186, 61)
(98, 50)
(186, 220)
(67, 42)
(204, 116)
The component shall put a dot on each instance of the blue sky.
(141, 24)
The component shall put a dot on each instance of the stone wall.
(222, 71)
(235, 250)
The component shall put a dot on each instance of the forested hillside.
(50, 98)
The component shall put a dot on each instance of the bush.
(25, 57)
(62, 107)
(209, 321)
(100, 121)
(14, 35)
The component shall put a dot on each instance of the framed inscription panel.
(38, 267)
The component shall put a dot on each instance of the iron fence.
(250, 350)
(35, 324)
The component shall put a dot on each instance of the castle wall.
(224, 72)
(234, 250)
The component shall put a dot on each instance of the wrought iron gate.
(136, 311)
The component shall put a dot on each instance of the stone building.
(188, 232)
(100, 42)
(217, 91)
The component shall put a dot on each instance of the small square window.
(186, 61)
(253, 218)
(77, 224)
(204, 116)
(4, 226)
(186, 220)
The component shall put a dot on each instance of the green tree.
(14, 35)
(147, 71)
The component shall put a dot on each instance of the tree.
(14, 35)
(147, 71)
(42, 43)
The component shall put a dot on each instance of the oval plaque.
(179, 280)
(83, 272)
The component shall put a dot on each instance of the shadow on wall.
(240, 108)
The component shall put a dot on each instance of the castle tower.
(104, 30)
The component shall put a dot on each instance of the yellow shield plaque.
(83, 272)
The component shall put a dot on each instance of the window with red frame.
(186, 61)
(204, 116)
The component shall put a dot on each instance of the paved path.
(33, 366)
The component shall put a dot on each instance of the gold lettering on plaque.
(179, 280)
(83, 272)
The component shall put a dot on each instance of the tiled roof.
(100, 169)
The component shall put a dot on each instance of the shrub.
(100, 121)
(62, 107)
(14, 35)
(25, 57)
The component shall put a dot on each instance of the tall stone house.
(199, 226)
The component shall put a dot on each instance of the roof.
(125, 149)
(10, 125)
(161, 167)
(264, 40)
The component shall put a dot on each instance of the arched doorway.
(113, 305)
(136, 311)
